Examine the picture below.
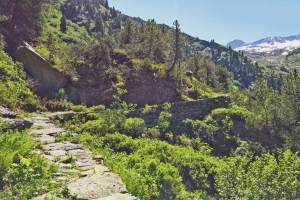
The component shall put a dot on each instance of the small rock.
(99, 159)
(62, 116)
(119, 196)
(46, 139)
(65, 166)
(49, 131)
(5, 113)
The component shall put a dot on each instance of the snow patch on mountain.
(270, 45)
(283, 47)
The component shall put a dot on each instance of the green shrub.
(134, 126)
(164, 121)
(79, 108)
(99, 126)
(264, 177)
(150, 109)
(22, 172)
(55, 105)
(235, 112)
(152, 169)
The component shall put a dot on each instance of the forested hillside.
(175, 116)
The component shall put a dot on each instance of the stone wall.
(185, 110)
(49, 79)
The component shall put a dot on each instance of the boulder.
(5, 113)
(62, 116)
(17, 124)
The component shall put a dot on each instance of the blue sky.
(222, 20)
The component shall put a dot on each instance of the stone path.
(84, 174)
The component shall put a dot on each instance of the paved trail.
(84, 174)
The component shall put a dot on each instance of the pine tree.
(99, 27)
(63, 24)
(113, 12)
(106, 5)
(51, 47)
(177, 47)
(127, 33)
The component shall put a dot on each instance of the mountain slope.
(91, 13)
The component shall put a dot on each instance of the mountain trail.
(83, 173)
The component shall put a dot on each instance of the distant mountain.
(269, 49)
(236, 44)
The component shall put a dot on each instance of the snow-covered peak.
(272, 45)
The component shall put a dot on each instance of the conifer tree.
(106, 5)
(99, 27)
(127, 33)
(51, 47)
(63, 24)
(176, 47)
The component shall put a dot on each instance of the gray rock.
(49, 131)
(57, 153)
(119, 196)
(62, 116)
(5, 113)
(96, 186)
(46, 139)
(99, 159)
(18, 124)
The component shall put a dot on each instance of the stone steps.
(84, 174)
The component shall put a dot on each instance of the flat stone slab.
(50, 131)
(80, 154)
(62, 146)
(46, 139)
(85, 163)
(41, 119)
(119, 196)
(43, 124)
(96, 186)
(58, 153)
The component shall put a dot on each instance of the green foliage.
(235, 112)
(265, 177)
(155, 170)
(134, 126)
(22, 173)
(99, 126)
(14, 89)
(164, 121)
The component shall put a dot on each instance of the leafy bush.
(99, 126)
(55, 105)
(22, 173)
(235, 112)
(265, 177)
(134, 126)
(152, 169)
